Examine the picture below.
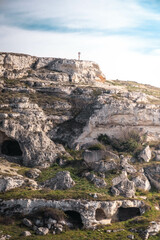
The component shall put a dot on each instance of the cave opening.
(11, 148)
(74, 218)
(100, 215)
(128, 213)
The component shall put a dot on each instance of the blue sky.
(122, 36)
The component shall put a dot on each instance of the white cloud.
(122, 57)
(101, 14)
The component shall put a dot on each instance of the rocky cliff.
(91, 139)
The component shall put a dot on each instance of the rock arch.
(100, 214)
(74, 217)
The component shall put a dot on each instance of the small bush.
(6, 220)
(54, 213)
(97, 146)
(130, 142)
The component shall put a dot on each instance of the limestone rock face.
(62, 181)
(7, 183)
(78, 71)
(37, 149)
(146, 154)
(14, 66)
(87, 209)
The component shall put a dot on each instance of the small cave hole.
(128, 213)
(74, 218)
(11, 148)
(100, 215)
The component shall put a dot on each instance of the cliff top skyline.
(121, 36)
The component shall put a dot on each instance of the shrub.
(97, 146)
(5, 220)
(130, 142)
(49, 213)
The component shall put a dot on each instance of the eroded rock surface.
(88, 210)
(62, 181)
(123, 186)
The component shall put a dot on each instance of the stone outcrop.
(153, 174)
(7, 183)
(104, 166)
(121, 185)
(42, 231)
(14, 66)
(29, 133)
(141, 182)
(62, 181)
(91, 156)
(33, 173)
(88, 210)
(152, 230)
(47, 104)
(127, 166)
(78, 114)
(146, 154)
(11, 182)
(98, 182)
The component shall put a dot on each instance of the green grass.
(100, 234)
(82, 189)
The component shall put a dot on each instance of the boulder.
(98, 182)
(152, 172)
(157, 155)
(130, 237)
(91, 156)
(27, 222)
(145, 155)
(42, 231)
(7, 183)
(141, 182)
(33, 173)
(123, 186)
(120, 178)
(104, 166)
(152, 230)
(26, 234)
(126, 166)
(62, 181)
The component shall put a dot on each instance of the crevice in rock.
(74, 218)
(127, 213)
(100, 215)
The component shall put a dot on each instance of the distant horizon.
(122, 36)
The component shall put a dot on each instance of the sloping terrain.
(79, 154)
